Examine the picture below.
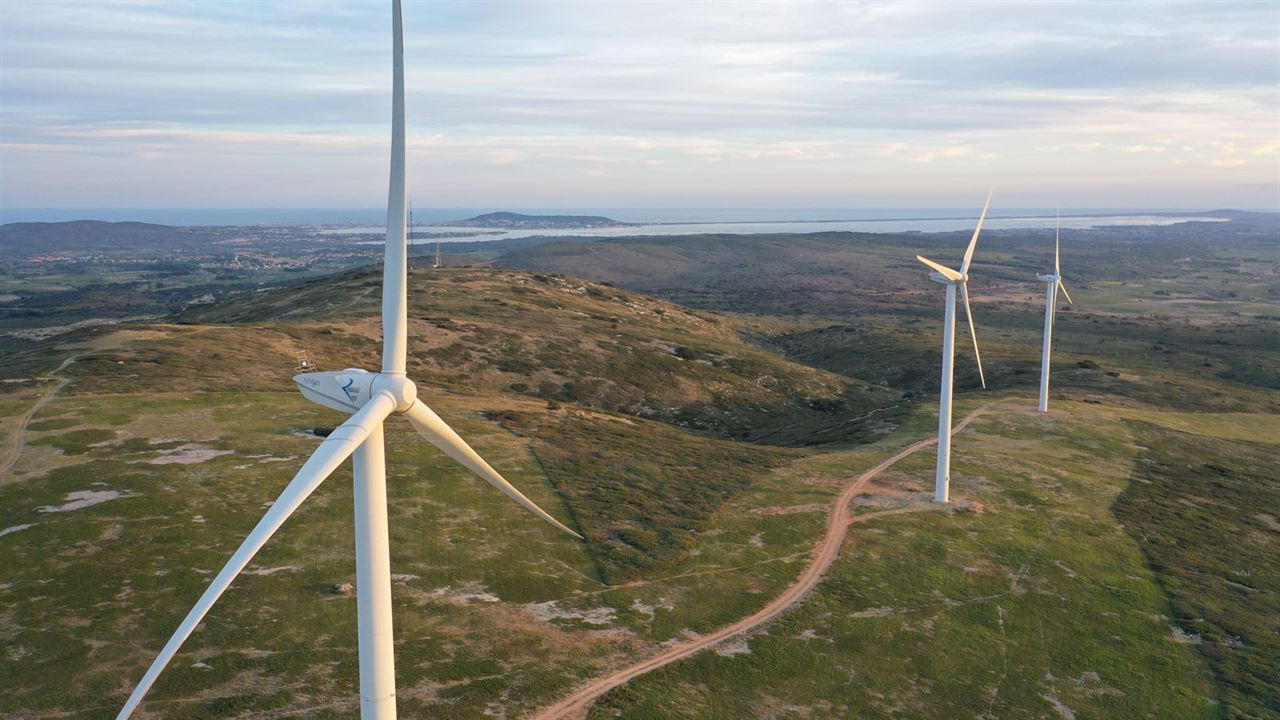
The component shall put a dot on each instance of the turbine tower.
(1054, 282)
(370, 398)
(950, 278)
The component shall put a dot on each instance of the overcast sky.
(615, 104)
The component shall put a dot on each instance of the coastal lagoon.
(895, 225)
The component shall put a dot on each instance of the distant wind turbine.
(1054, 282)
(950, 278)
(371, 398)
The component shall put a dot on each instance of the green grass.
(1041, 599)
(114, 579)
(1206, 512)
(90, 595)
(640, 491)
(76, 442)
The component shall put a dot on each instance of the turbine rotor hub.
(399, 387)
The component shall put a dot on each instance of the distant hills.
(90, 236)
(518, 221)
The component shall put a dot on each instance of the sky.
(228, 103)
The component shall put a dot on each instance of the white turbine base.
(373, 582)
(1051, 300)
(942, 478)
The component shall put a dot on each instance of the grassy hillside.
(536, 335)
(640, 492)
(1040, 604)
(1185, 318)
(1116, 562)
(1189, 494)
(141, 498)
(121, 477)
(1186, 315)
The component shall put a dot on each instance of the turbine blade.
(395, 303)
(942, 269)
(332, 452)
(968, 312)
(1057, 233)
(430, 426)
(968, 253)
(1063, 288)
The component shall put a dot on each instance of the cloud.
(932, 154)
(742, 91)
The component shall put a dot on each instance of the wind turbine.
(950, 278)
(1054, 282)
(371, 398)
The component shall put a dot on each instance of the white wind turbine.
(371, 398)
(1054, 282)
(950, 278)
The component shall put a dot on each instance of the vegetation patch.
(78, 442)
(1206, 513)
(51, 424)
(931, 614)
(640, 492)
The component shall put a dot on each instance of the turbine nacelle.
(942, 273)
(343, 390)
(943, 279)
(348, 390)
(1048, 278)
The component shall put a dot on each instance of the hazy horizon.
(640, 215)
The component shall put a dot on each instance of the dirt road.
(576, 705)
(20, 435)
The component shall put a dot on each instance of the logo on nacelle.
(341, 390)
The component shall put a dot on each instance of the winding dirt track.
(580, 701)
(20, 435)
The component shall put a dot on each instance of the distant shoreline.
(360, 217)
(878, 225)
